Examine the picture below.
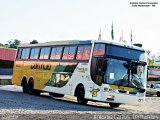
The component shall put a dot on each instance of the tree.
(150, 61)
(34, 42)
(14, 44)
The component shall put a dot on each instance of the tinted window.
(86, 52)
(99, 50)
(58, 53)
(25, 53)
(65, 53)
(47, 52)
(124, 52)
(79, 53)
(34, 53)
(72, 51)
(53, 53)
(44, 53)
(19, 53)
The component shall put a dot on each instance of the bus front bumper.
(136, 99)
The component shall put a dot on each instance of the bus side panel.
(60, 81)
(82, 76)
(40, 72)
(17, 73)
(43, 76)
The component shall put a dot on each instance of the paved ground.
(16, 105)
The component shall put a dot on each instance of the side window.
(53, 53)
(25, 53)
(34, 53)
(86, 52)
(44, 53)
(65, 53)
(72, 51)
(58, 53)
(99, 50)
(19, 52)
(79, 53)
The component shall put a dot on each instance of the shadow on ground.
(19, 100)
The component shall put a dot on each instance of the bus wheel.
(114, 105)
(80, 96)
(56, 95)
(25, 87)
(158, 94)
(30, 87)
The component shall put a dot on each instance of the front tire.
(158, 94)
(81, 95)
(114, 105)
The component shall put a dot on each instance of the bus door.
(100, 70)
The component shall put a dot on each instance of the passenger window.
(19, 53)
(53, 53)
(65, 53)
(25, 53)
(44, 53)
(58, 53)
(71, 54)
(47, 52)
(86, 52)
(34, 53)
(99, 50)
(79, 53)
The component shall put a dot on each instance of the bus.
(91, 70)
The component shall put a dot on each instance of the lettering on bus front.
(41, 66)
(82, 70)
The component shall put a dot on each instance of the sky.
(49, 20)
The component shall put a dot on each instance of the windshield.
(123, 73)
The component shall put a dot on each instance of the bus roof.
(64, 42)
(119, 44)
(79, 42)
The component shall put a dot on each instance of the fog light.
(110, 97)
(140, 100)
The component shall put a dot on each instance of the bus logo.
(41, 66)
(94, 92)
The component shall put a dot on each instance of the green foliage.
(34, 42)
(4, 45)
(14, 44)
(150, 62)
